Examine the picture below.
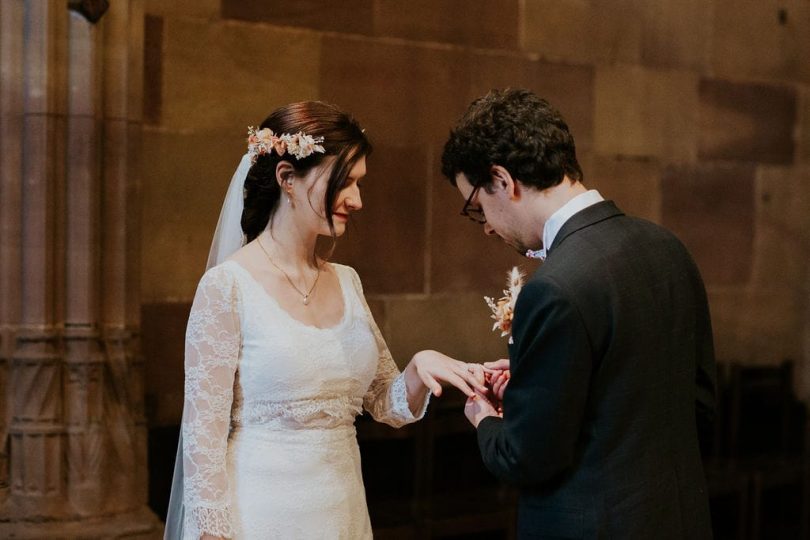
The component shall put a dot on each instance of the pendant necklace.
(304, 296)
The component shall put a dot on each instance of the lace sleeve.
(386, 398)
(212, 349)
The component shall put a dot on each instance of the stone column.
(73, 454)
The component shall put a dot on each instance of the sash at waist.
(314, 413)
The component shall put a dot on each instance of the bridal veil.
(227, 239)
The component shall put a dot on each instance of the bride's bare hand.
(433, 368)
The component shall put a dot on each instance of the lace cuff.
(214, 521)
(399, 401)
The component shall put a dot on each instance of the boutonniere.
(503, 309)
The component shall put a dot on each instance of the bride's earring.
(289, 183)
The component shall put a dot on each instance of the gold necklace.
(305, 296)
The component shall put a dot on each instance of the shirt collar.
(558, 219)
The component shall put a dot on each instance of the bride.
(282, 352)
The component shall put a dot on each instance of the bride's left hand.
(432, 368)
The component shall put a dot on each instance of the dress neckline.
(344, 318)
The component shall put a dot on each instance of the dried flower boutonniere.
(503, 309)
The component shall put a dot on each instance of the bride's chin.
(340, 229)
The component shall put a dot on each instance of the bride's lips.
(340, 216)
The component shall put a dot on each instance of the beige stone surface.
(185, 180)
(569, 88)
(84, 81)
(206, 9)
(138, 525)
(113, 222)
(477, 23)
(646, 112)
(118, 57)
(75, 442)
(782, 244)
(40, 174)
(762, 326)
(634, 184)
(230, 75)
(676, 33)
(803, 126)
(45, 58)
(457, 325)
(747, 121)
(386, 240)
(462, 258)
(12, 57)
(579, 31)
(346, 16)
(82, 233)
(11, 144)
(748, 40)
(710, 207)
(400, 92)
(135, 59)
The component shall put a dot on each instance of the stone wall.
(694, 114)
(72, 417)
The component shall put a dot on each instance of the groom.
(612, 362)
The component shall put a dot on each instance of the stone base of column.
(140, 525)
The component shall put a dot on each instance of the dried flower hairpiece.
(299, 145)
(503, 310)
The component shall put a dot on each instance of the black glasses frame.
(475, 214)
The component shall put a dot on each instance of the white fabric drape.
(227, 239)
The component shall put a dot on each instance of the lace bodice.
(249, 363)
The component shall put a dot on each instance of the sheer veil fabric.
(228, 238)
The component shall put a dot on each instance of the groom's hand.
(497, 365)
(479, 407)
(497, 374)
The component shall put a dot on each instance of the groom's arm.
(543, 406)
(705, 368)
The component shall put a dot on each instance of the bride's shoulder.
(224, 274)
(343, 270)
(349, 274)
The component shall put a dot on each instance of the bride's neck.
(289, 243)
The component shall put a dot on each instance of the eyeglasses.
(475, 213)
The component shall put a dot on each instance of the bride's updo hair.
(342, 137)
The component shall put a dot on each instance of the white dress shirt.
(558, 219)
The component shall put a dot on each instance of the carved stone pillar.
(73, 453)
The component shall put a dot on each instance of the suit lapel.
(585, 218)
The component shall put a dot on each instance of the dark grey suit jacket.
(612, 371)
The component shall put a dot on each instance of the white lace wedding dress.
(269, 446)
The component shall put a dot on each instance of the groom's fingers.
(499, 386)
(499, 365)
(496, 386)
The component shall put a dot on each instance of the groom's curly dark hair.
(517, 130)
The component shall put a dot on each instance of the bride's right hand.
(433, 368)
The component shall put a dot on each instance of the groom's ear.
(502, 179)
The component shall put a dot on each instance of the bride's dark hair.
(342, 137)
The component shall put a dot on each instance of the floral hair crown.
(265, 141)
